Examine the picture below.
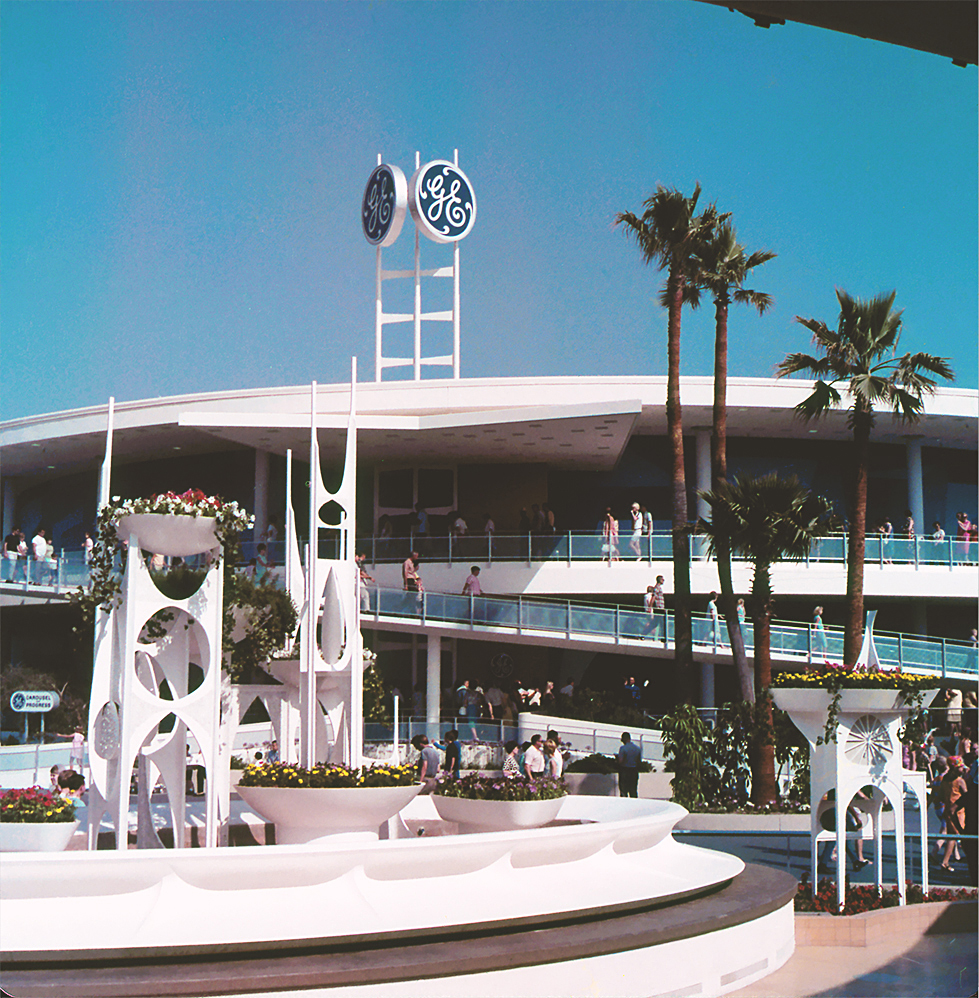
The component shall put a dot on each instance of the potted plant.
(594, 775)
(815, 700)
(499, 804)
(177, 525)
(36, 820)
(310, 804)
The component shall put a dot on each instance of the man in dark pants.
(628, 758)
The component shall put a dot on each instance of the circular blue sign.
(382, 212)
(442, 201)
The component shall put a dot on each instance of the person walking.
(471, 587)
(610, 536)
(409, 574)
(818, 634)
(635, 542)
(628, 758)
(715, 620)
(453, 754)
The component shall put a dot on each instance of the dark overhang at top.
(948, 28)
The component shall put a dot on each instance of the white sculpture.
(126, 705)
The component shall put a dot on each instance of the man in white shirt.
(39, 547)
(533, 762)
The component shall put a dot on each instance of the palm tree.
(854, 355)
(669, 233)
(724, 266)
(768, 520)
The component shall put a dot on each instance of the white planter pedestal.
(46, 836)
(302, 814)
(171, 534)
(496, 815)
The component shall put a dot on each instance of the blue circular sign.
(442, 201)
(385, 203)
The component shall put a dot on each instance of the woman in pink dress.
(963, 534)
(610, 535)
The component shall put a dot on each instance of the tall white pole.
(350, 523)
(309, 702)
(418, 295)
(105, 477)
(456, 338)
(289, 524)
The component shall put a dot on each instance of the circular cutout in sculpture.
(105, 742)
(868, 742)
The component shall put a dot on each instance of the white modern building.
(496, 447)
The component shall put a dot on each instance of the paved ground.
(941, 966)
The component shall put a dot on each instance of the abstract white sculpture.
(126, 705)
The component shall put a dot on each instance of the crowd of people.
(540, 757)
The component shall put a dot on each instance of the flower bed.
(862, 898)
(325, 776)
(477, 787)
(307, 805)
(35, 805)
(835, 680)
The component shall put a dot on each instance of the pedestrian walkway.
(626, 628)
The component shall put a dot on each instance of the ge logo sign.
(17, 701)
(442, 202)
(382, 212)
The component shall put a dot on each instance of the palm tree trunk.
(853, 635)
(682, 625)
(719, 477)
(764, 789)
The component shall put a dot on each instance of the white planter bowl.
(47, 836)
(302, 814)
(496, 815)
(171, 534)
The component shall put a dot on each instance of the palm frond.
(824, 397)
(911, 363)
(907, 405)
(796, 362)
(759, 299)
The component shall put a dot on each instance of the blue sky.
(182, 183)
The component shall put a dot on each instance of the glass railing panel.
(635, 624)
(592, 620)
(961, 659)
(588, 547)
(901, 549)
(471, 548)
(699, 547)
(916, 651)
(500, 612)
(549, 547)
(545, 616)
(828, 549)
(932, 552)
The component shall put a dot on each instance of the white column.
(916, 492)
(9, 506)
(707, 684)
(703, 469)
(433, 690)
(261, 494)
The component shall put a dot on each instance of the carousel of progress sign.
(385, 204)
(34, 701)
(442, 201)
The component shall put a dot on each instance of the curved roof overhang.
(584, 422)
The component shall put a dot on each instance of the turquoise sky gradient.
(182, 183)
